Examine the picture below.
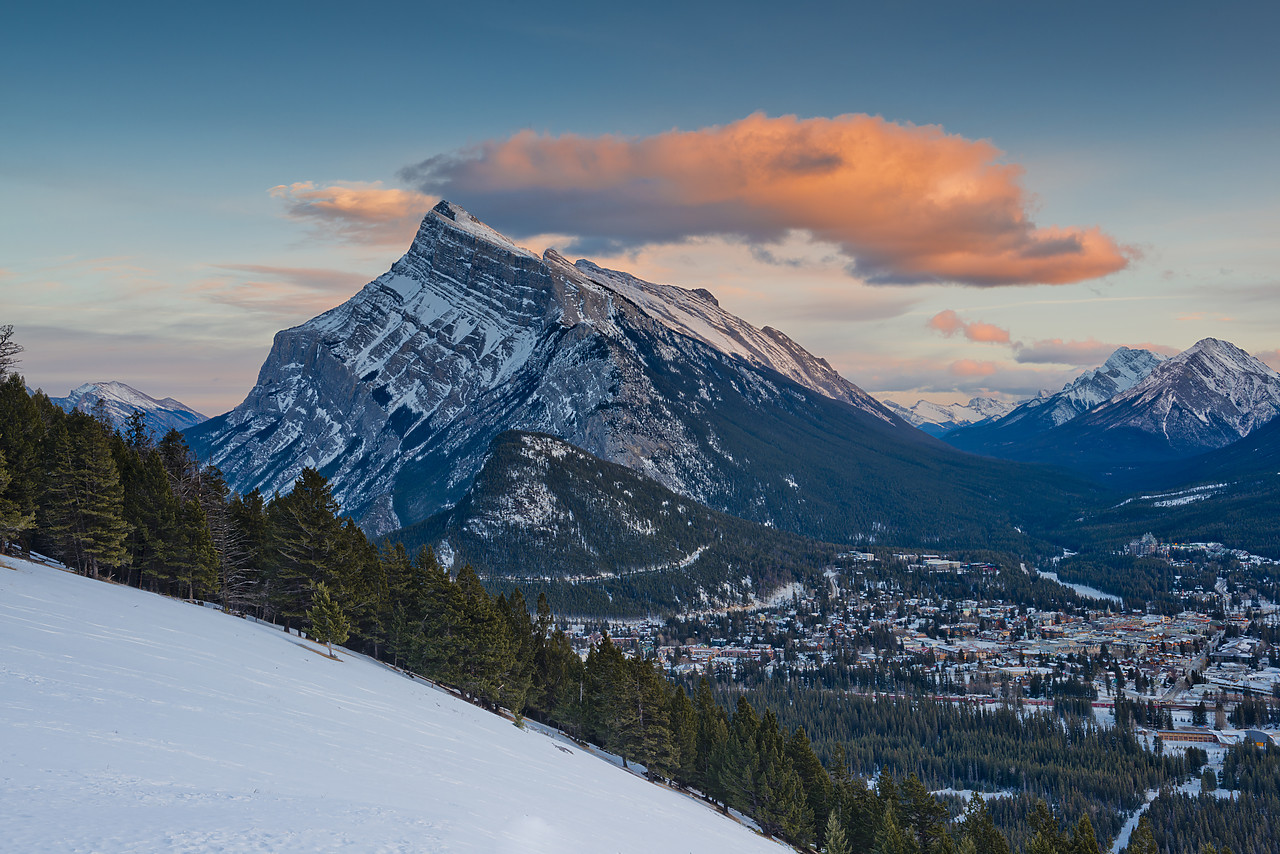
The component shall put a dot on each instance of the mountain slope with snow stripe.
(131, 722)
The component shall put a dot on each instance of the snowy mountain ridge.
(937, 419)
(1206, 397)
(122, 400)
(396, 394)
(1123, 369)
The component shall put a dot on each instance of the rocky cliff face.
(396, 394)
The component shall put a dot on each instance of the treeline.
(1248, 822)
(1080, 768)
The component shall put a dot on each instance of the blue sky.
(140, 239)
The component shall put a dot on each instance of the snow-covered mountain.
(937, 419)
(1206, 397)
(122, 401)
(132, 722)
(396, 394)
(1123, 369)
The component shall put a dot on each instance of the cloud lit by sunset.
(909, 204)
(357, 211)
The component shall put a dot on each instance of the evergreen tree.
(889, 838)
(1142, 841)
(684, 737)
(834, 839)
(982, 831)
(735, 760)
(711, 742)
(84, 514)
(813, 777)
(523, 644)
(1083, 838)
(9, 350)
(1048, 837)
(925, 817)
(484, 657)
(328, 624)
(307, 542)
(24, 423)
(13, 520)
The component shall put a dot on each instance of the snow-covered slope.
(122, 400)
(697, 314)
(937, 419)
(396, 394)
(130, 722)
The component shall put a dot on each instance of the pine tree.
(24, 424)
(1143, 841)
(1083, 838)
(711, 744)
(817, 785)
(889, 838)
(306, 542)
(982, 831)
(483, 644)
(834, 838)
(9, 350)
(1048, 837)
(84, 513)
(13, 520)
(684, 737)
(328, 624)
(926, 818)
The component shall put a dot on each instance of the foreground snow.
(131, 722)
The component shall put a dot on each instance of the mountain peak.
(1226, 355)
(122, 400)
(453, 216)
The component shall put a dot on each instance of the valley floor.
(131, 722)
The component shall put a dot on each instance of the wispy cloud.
(1051, 351)
(909, 204)
(358, 212)
(285, 292)
(949, 323)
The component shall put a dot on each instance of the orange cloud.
(910, 204)
(949, 323)
(359, 212)
(970, 368)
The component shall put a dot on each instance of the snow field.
(130, 722)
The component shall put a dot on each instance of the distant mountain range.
(1207, 397)
(121, 401)
(937, 419)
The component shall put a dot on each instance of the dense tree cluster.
(1248, 822)
(1080, 768)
